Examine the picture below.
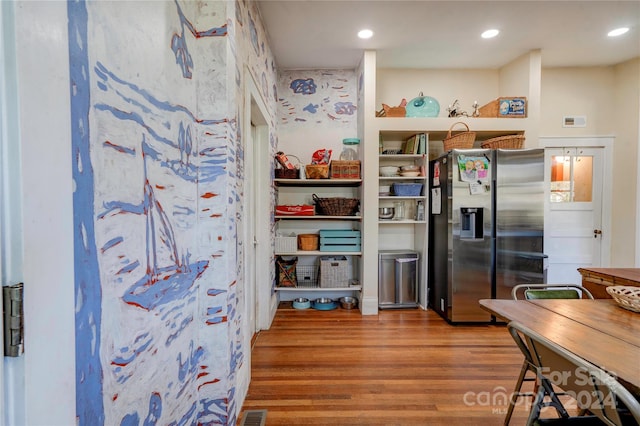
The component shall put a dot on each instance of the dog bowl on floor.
(301, 303)
(324, 304)
(348, 302)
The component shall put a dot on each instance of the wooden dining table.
(599, 331)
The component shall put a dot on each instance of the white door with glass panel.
(573, 211)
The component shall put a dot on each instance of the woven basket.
(336, 206)
(462, 140)
(490, 109)
(504, 142)
(317, 171)
(628, 297)
(308, 241)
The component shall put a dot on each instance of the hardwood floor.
(402, 367)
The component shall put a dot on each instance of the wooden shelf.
(319, 253)
(317, 182)
(319, 217)
(318, 289)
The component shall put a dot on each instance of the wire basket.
(504, 142)
(307, 276)
(336, 206)
(462, 140)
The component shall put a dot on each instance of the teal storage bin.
(340, 240)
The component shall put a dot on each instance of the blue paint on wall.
(89, 405)
(304, 86)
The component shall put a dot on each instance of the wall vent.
(574, 121)
(254, 418)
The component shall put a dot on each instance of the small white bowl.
(410, 168)
(410, 174)
(387, 171)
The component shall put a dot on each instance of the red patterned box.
(302, 210)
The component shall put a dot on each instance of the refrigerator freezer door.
(519, 219)
(471, 256)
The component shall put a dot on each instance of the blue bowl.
(324, 304)
(301, 303)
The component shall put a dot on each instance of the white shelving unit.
(410, 202)
(297, 192)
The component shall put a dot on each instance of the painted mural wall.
(157, 99)
(316, 109)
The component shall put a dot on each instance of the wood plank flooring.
(402, 367)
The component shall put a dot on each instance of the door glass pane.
(582, 178)
(571, 178)
(560, 179)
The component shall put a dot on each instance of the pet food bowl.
(324, 304)
(348, 302)
(301, 303)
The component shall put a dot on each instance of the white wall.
(605, 95)
(467, 86)
(626, 160)
(578, 91)
(45, 138)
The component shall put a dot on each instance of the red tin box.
(301, 210)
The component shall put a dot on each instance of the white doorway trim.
(605, 142)
(255, 107)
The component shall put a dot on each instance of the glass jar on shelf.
(350, 149)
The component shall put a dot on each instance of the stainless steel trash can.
(397, 279)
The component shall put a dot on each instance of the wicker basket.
(462, 140)
(627, 297)
(308, 241)
(334, 272)
(336, 206)
(504, 142)
(317, 171)
(490, 109)
(345, 169)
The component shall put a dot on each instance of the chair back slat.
(550, 291)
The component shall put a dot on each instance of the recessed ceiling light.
(490, 33)
(617, 32)
(365, 33)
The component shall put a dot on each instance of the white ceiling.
(321, 34)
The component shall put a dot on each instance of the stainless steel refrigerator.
(485, 229)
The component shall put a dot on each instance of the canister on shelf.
(350, 150)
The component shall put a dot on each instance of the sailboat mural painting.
(164, 283)
(153, 175)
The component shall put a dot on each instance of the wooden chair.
(606, 400)
(550, 291)
(538, 291)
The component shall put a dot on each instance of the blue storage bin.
(407, 189)
(339, 240)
